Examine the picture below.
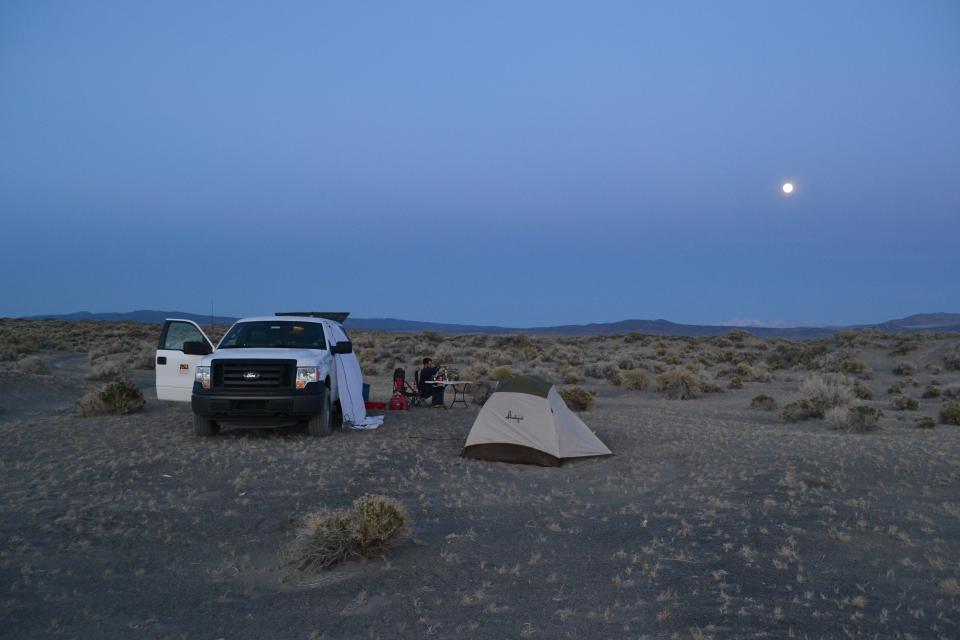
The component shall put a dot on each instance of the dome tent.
(526, 421)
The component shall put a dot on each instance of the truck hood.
(301, 355)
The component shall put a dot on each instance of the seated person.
(434, 391)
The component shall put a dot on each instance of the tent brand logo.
(510, 416)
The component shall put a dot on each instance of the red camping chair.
(403, 388)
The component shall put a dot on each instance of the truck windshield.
(278, 335)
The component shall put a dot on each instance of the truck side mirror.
(196, 348)
(342, 347)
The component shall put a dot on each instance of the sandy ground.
(713, 520)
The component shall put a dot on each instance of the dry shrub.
(924, 422)
(735, 383)
(105, 371)
(905, 368)
(862, 391)
(951, 361)
(951, 391)
(634, 379)
(121, 397)
(763, 402)
(904, 403)
(855, 367)
(500, 373)
(830, 391)
(932, 391)
(858, 419)
(34, 365)
(577, 398)
(678, 384)
(950, 412)
(327, 538)
(820, 393)
(604, 370)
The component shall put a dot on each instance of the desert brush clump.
(820, 393)
(577, 398)
(678, 384)
(327, 538)
(924, 422)
(34, 365)
(856, 419)
(634, 379)
(106, 371)
(764, 402)
(950, 412)
(854, 367)
(120, 397)
(906, 344)
(904, 403)
(951, 361)
(932, 391)
(605, 371)
(500, 373)
(904, 368)
(862, 391)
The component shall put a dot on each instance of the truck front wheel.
(321, 424)
(204, 426)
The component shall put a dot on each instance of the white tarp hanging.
(350, 387)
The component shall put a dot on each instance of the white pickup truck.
(265, 371)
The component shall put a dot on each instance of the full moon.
(787, 187)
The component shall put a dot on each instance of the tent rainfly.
(526, 421)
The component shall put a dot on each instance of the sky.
(508, 163)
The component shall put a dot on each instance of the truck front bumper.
(267, 409)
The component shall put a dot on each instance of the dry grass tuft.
(328, 538)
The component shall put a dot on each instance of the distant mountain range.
(924, 322)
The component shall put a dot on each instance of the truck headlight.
(203, 377)
(307, 374)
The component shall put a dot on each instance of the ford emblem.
(251, 375)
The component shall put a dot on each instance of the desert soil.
(712, 520)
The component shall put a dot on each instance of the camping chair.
(404, 388)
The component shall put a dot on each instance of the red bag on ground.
(399, 403)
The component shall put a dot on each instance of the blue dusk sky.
(517, 163)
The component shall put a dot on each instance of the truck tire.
(205, 427)
(321, 425)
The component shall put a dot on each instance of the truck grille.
(253, 374)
